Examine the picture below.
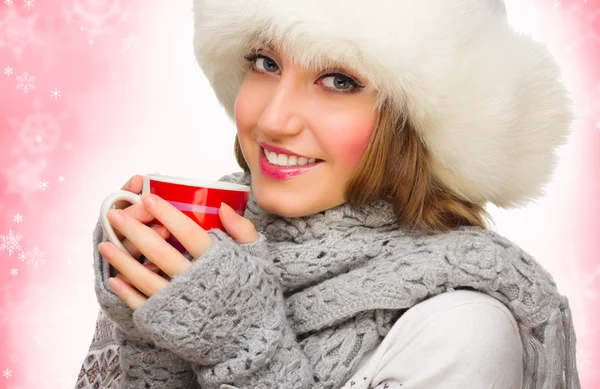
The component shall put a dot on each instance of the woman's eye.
(339, 82)
(268, 64)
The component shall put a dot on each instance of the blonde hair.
(396, 167)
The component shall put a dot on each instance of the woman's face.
(309, 113)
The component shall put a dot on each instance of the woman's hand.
(154, 247)
(139, 212)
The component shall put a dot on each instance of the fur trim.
(486, 101)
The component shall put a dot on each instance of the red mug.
(198, 199)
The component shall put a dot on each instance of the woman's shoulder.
(462, 338)
(477, 324)
(470, 320)
(460, 305)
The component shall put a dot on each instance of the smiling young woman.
(372, 138)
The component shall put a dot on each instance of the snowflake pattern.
(38, 139)
(7, 373)
(55, 93)
(36, 258)
(97, 17)
(14, 271)
(18, 218)
(18, 32)
(359, 383)
(61, 179)
(43, 124)
(22, 256)
(130, 44)
(23, 178)
(8, 71)
(26, 82)
(10, 242)
(8, 2)
(44, 185)
(28, 4)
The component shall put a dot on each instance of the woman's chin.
(281, 204)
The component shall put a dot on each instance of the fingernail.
(105, 248)
(115, 216)
(226, 207)
(149, 200)
(230, 213)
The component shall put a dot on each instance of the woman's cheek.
(347, 139)
(241, 113)
(245, 109)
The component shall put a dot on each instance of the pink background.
(131, 100)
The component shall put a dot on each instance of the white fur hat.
(486, 100)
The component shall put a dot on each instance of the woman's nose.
(283, 115)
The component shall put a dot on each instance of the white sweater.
(461, 339)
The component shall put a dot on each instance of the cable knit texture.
(301, 306)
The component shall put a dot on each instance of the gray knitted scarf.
(353, 273)
(348, 274)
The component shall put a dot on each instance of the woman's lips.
(281, 172)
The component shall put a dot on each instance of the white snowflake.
(18, 218)
(130, 44)
(22, 256)
(28, 3)
(8, 2)
(7, 373)
(39, 123)
(55, 93)
(14, 271)
(44, 185)
(26, 82)
(24, 177)
(18, 32)
(38, 139)
(10, 242)
(8, 71)
(61, 179)
(36, 258)
(98, 19)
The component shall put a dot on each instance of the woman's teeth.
(287, 160)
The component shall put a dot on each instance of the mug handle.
(107, 204)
